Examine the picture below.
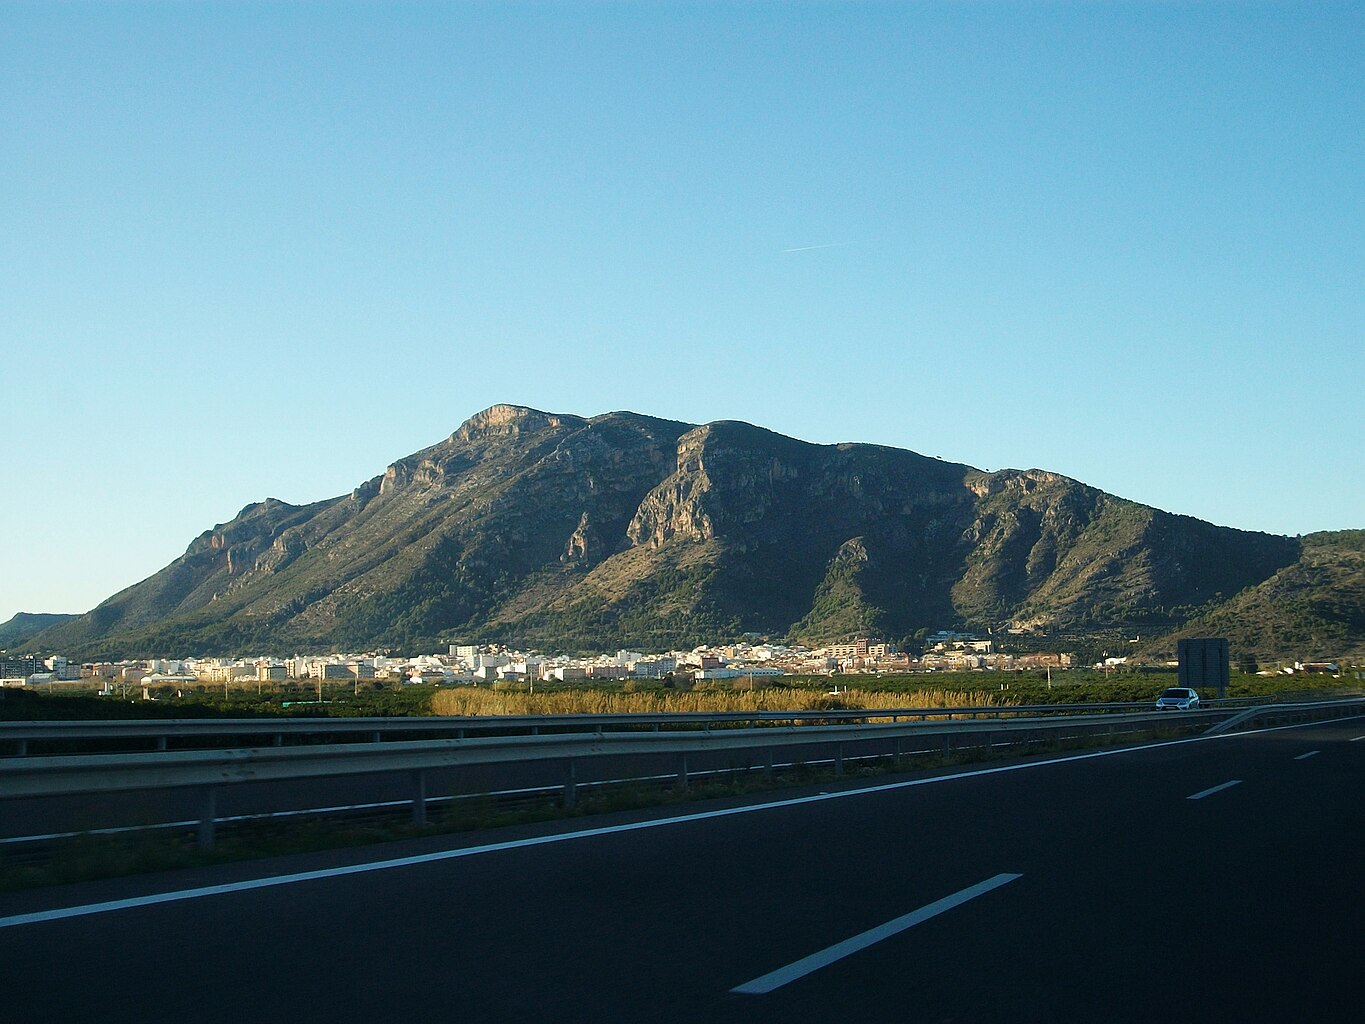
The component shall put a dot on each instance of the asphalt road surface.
(1210, 880)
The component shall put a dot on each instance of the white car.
(1178, 698)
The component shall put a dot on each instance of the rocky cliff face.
(558, 530)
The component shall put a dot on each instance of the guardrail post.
(838, 759)
(947, 745)
(161, 743)
(21, 748)
(897, 762)
(419, 798)
(682, 771)
(570, 783)
(208, 813)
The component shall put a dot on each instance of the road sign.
(1203, 663)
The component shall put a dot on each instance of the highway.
(1213, 879)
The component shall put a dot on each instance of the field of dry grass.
(472, 700)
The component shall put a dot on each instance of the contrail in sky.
(808, 248)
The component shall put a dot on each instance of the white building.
(654, 668)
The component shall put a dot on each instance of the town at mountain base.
(624, 530)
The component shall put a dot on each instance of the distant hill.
(553, 530)
(1311, 610)
(25, 625)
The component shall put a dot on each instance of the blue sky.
(253, 250)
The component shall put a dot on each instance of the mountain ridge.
(22, 626)
(624, 529)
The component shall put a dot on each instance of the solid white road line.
(1357, 739)
(562, 837)
(807, 965)
(1215, 789)
(1304, 757)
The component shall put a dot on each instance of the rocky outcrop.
(584, 543)
(510, 421)
(676, 508)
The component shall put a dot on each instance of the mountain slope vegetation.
(1311, 610)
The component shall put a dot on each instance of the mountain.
(25, 625)
(559, 531)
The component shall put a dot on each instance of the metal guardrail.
(87, 773)
(1301, 711)
(280, 731)
(206, 770)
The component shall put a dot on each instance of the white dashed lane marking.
(1213, 789)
